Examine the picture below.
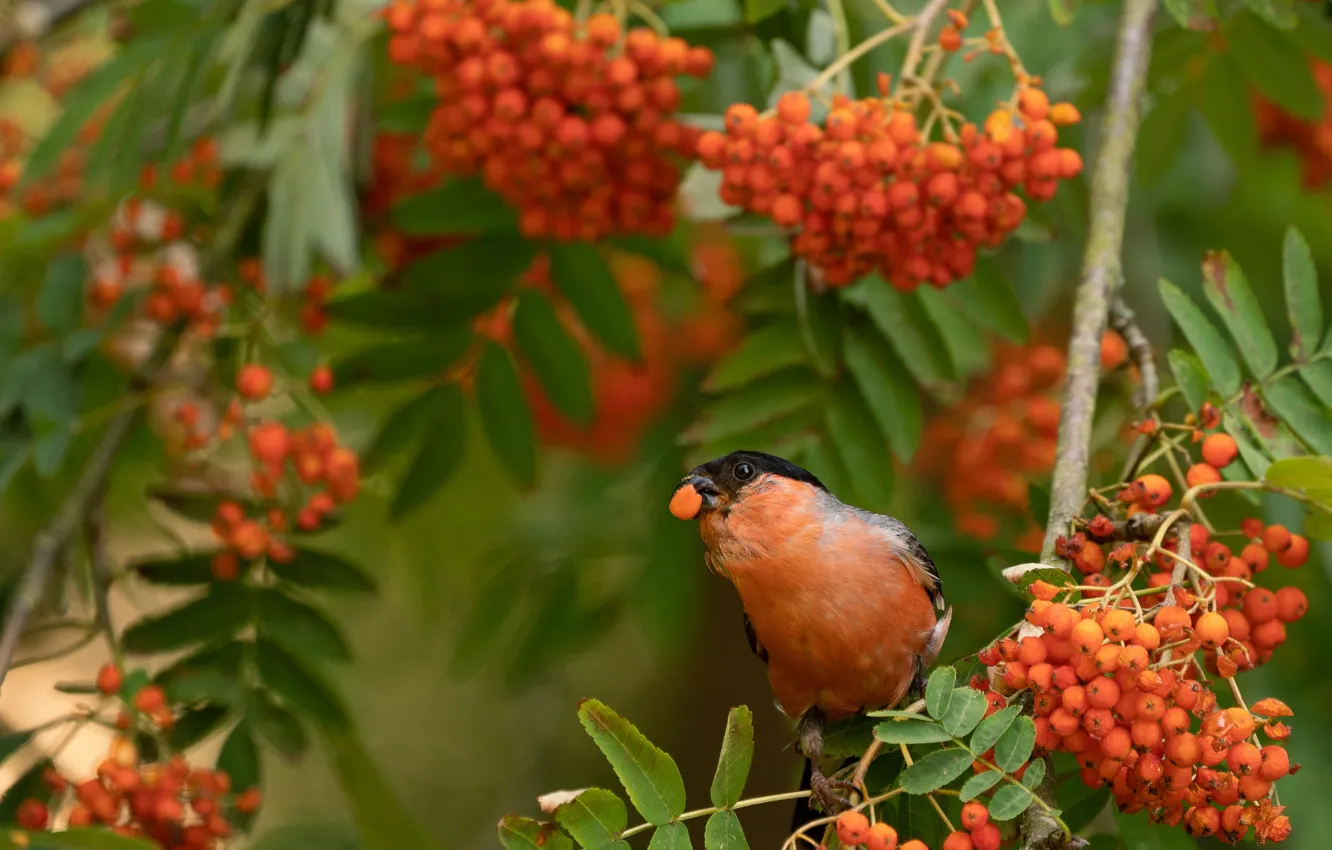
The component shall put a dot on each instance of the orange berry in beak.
(686, 502)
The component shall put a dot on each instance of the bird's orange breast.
(840, 616)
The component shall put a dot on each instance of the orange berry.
(1292, 604)
(974, 815)
(149, 699)
(1275, 763)
(882, 836)
(958, 841)
(1119, 625)
(1219, 450)
(109, 679)
(32, 815)
(950, 40)
(852, 828)
(1114, 350)
(254, 381)
(1276, 538)
(1202, 474)
(1153, 490)
(1064, 114)
(1296, 552)
(321, 380)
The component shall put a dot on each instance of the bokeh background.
(500, 609)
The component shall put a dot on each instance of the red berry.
(109, 679)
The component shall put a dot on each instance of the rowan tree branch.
(1101, 280)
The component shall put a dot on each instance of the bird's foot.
(825, 792)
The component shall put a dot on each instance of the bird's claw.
(823, 790)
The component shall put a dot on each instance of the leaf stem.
(712, 810)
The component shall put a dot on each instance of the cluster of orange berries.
(175, 805)
(577, 134)
(63, 186)
(867, 190)
(1106, 690)
(1313, 139)
(855, 830)
(985, 449)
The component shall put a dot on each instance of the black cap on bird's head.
(719, 481)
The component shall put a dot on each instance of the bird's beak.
(695, 494)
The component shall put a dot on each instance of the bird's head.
(722, 482)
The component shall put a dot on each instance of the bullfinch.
(844, 606)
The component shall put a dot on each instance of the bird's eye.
(744, 471)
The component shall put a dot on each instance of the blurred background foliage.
(514, 582)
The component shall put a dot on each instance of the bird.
(843, 605)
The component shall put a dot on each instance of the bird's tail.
(804, 809)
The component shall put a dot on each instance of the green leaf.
(440, 452)
(760, 403)
(723, 832)
(737, 752)
(1318, 377)
(459, 207)
(1235, 129)
(60, 300)
(404, 360)
(1278, 13)
(1038, 502)
(187, 568)
(1301, 473)
(276, 725)
(911, 732)
(240, 758)
(1193, 14)
(586, 281)
(517, 833)
(1063, 11)
(979, 784)
(1231, 296)
(476, 274)
(648, 774)
(939, 691)
(297, 685)
(1162, 135)
(1275, 66)
(407, 423)
(196, 724)
(965, 709)
(1253, 457)
(959, 335)
(1190, 377)
(300, 628)
(887, 389)
(935, 770)
(201, 685)
(1206, 340)
(90, 838)
(672, 836)
(381, 820)
(1050, 575)
(1291, 402)
(764, 351)
(1035, 772)
(12, 743)
(861, 447)
(323, 571)
(1302, 302)
(893, 712)
(222, 612)
(1009, 802)
(505, 413)
(903, 322)
(987, 298)
(552, 354)
(1014, 747)
(1139, 833)
(594, 817)
(992, 728)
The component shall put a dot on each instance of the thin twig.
(102, 572)
(1149, 387)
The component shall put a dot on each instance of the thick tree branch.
(1102, 265)
(1102, 278)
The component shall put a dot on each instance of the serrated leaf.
(893, 712)
(939, 691)
(403, 360)
(298, 686)
(672, 836)
(193, 725)
(594, 817)
(1009, 802)
(935, 770)
(197, 675)
(1254, 457)
(860, 445)
(440, 452)
(1208, 344)
(1190, 377)
(476, 274)
(187, 568)
(505, 413)
(979, 784)
(239, 757)
(987, 298)
(1231, 296)
(1162, 135)
(965, 709)
(222, 612)
(992, 728)
(764, 351)
(648, 774)
(459, 207)
(1235, 129)
(300, 628)
(583, 277)
(1303, 304)
(1193, 14)
(1278, 13)
(60, 300)
(196, 685)
(554, 357)
(903, 323)
(1014, 747)
(1291, 402)
(887, 389)
(407, 423)
(737, 752)
(517, 833)
(1035, 772)
(1318, 377)
(1274, 64)
(761, 402)
(911, 732)
(723, 832)
(323, 571)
